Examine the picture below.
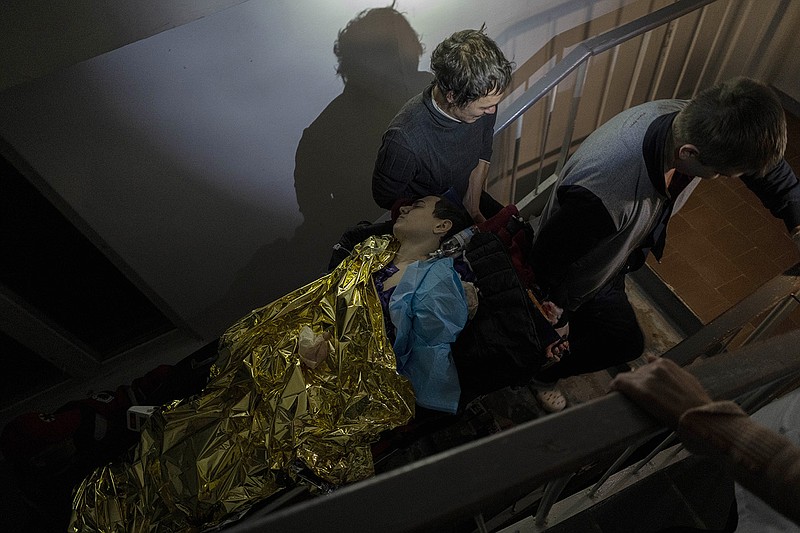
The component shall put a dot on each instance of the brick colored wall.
(724, 244)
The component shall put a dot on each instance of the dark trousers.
(603, 333)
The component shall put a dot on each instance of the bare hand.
(557, 349)
(663, 389)
(552, 312)
(471, 292)
(312, 349)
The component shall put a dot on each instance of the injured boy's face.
(417, 221)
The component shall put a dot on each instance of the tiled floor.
(724, 244)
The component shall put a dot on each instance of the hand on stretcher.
(555, 350)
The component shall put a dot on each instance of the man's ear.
(442, 226)
(687, 151)
(450, 97)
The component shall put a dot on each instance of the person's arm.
(477, 178)
(795, 235)
(779, 191)
(764, 462)
(472, 198)
(395, 168)
(580, 222)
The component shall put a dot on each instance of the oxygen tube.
(455, 244)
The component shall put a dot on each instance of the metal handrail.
(591, 47)
(508, 464)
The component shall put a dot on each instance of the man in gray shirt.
(620, 188)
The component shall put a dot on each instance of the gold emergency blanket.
(204, 458)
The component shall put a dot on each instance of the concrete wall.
(39, 36)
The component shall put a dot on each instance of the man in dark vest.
(619, 189)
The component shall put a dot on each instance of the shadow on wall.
(378, 56)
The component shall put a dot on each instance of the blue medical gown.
(429, 309)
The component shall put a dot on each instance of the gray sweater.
(424, 152)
